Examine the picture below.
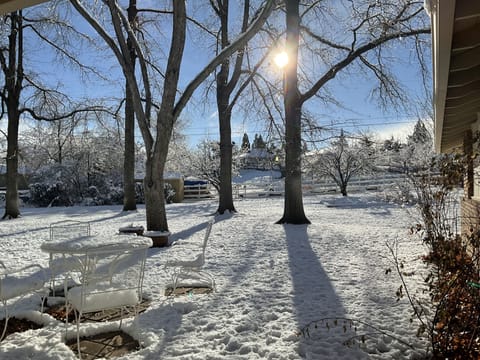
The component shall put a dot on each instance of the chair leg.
(175, 277)
(66, 317)
(6, 320)
(121, 317)
(77, 320)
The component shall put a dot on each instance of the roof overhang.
(456, 69)
(7, 6)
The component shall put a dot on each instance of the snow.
(271, 281)
(100, 298)
(93, 243)
(21, 281)
(256, 177)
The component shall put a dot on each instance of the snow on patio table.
(271, 281)
(107, 243)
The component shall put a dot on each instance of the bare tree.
(377, 24)
(43, 103)
(12, 67)
(341, 162)
(225, 87)
(230, 86)
(157, 136)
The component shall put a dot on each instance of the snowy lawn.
(271, 280)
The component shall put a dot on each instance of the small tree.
(245, 142)
(341, 162)
(258, 142)
(419, 148)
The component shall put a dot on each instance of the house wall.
(177, 184)
(470, 204)
(470, 215)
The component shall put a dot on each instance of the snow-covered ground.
(271, 280)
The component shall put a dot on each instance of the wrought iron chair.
(111, 279)
(189, 271)
(16, 283)
(60, 264)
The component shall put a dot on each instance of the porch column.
(468, 151)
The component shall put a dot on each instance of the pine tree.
(245, 142)
(420, 134)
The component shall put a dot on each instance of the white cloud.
(399, 131)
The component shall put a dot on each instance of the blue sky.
(358, 112)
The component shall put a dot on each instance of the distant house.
(257, 158)
(456, 70)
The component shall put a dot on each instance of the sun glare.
(281, 59)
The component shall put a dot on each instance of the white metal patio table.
(82, 253)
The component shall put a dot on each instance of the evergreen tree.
(420, 134)
(258, 142)
(245, 142)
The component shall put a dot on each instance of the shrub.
(42, 194)
(453, 278)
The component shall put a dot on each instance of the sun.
(281, 59)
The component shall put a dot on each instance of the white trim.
(443, 18)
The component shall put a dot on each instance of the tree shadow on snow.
(314, 298)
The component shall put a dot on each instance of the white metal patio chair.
(60, 264)
(111, 279)
(189, 271)
(16, 283)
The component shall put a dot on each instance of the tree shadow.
(311, 284)
(314, 298)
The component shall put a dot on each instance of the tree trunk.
(12, 209)
(129, 199)
(13, 72)
(154, 181)
(154, 195)
(343, 189)
(225, 194)
(224, 91)
(293, 208)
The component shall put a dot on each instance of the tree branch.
(225, 53)
(354, 55)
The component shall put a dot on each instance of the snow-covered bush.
(402, 192)
(57, 185)
(64, 185)
(43, 194)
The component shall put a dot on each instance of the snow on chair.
(60, 263)
(16, 283)
(188, 272)
(111, 279)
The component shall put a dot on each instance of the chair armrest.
(22, 281)
(22, 269)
